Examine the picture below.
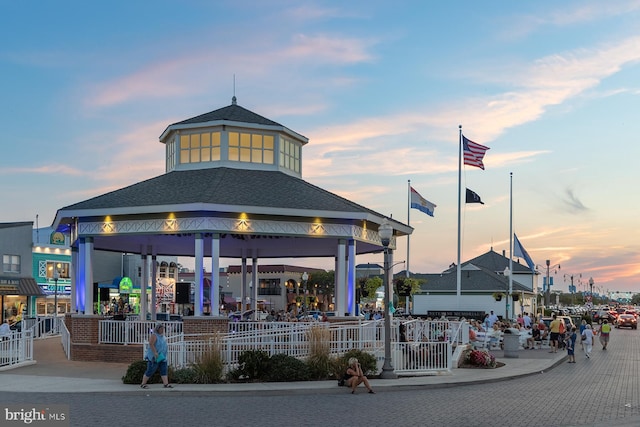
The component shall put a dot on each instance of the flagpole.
(408, 222)
(510, 297)
(459, 270)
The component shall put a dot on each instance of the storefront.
(17, 298)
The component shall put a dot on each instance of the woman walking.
(156, 357)
(587, 338)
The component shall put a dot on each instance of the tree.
(371, 285)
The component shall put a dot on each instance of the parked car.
(627, 321)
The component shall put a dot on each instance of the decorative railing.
(16, 348)
(132, 332)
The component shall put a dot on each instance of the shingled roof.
(224, 186)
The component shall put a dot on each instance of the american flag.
(473, 153)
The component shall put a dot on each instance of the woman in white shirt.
(587, 339)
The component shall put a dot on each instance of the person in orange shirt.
(554, 329)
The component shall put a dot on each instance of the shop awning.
(19, 286)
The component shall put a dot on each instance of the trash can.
(511, 342)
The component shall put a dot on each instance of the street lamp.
(305, 276)
(385, 231)
(591, 291)
(56, 276)
(547, 294)
(507, 274)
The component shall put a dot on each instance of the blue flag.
(520, 252)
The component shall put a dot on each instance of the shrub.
(136, 370)
(287, 368)
(481, 358)
(210, 366)
(319, 360)
(254, 365)
(367, 361)
(184, 376)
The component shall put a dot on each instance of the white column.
(254, 282)
(215, 275)
(199, 277)
(154, 278)
(391, 277)
(88, 275)
(341, 286)
(243, 284)
(144, 279)
(351, 277)
(74, 278)
(82, 266)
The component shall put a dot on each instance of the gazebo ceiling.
(231, 245)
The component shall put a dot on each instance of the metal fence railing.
(429, 349)
(16, 348)
(131, 332)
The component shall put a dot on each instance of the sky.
(380, 89)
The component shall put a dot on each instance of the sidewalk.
(52, 372)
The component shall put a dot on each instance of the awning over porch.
(19, 286)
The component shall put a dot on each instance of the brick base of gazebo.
(84, 346)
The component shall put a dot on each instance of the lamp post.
(56, 274)
(591, 289)
(507, 274)
(547, 294)
(385, 231)
(305, 276)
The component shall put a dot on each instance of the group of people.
(556, 332)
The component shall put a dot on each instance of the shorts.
(152, 367)
(554, 336)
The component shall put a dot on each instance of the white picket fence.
(429, 349)
(16, 348)
(132, 332)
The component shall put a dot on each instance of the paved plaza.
(536, 389)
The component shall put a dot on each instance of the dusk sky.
(378, 87)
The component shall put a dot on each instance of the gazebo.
(232, 188)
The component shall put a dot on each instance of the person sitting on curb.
(356, 376)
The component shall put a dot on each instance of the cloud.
(572, 202)
(56, 169)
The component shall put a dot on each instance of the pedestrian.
(492, 319)
(583, 326)
(587, 338)
(605, 330)
(156, 357)
(554, 329)
(571, 345)
(527, 320)
(355, 376)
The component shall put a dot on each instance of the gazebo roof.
(253, 211)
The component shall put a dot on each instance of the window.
(11, 263)
(289, 154)
(62, 268)
(171, 152)
(200, 147)
(269, 287)
(251, 147)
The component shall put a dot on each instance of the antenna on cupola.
(234, 100)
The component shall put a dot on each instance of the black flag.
(473, 197)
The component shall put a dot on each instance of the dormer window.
(233, 137)
(251, 147)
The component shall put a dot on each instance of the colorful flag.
(473, 153)
(472, 197)
(520, 252)
(420, 203)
